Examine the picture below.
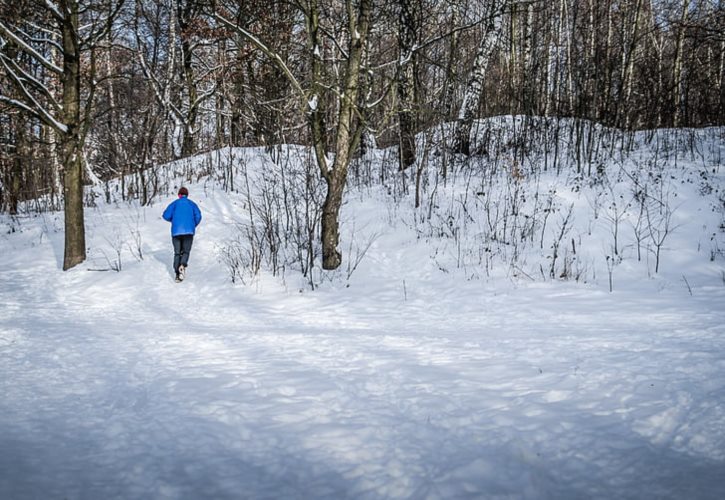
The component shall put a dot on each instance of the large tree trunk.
(70, 141)
(75, 234)
(330, 226)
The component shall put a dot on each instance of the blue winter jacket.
(184, 216)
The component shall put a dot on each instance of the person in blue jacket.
(184, 216)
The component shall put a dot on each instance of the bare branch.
(35, 110)
(4, 30)
(20, 77)
(266, 50)
(55, 10)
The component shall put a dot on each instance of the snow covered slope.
(453, 361)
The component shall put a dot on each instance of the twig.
(689, 289)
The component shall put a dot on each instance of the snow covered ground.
(415, 378)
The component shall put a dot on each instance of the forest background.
(92, 91)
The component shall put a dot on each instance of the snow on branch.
(5, 31)
(31, 105)
(39, 113)
(21, 77)
(55, 10)
(160, 91)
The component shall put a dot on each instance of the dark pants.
(182, 249)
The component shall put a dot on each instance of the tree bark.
(13, 177)
(677, 66)
(70, 141)
(474, 89)
(16, 166)
(631, 53)
(185, 15)
(449, 84)
(407, 34)
(330, 226)
(347, 136)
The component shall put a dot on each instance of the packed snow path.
(127, 385)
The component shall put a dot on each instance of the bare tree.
(59, 58)
(319, 100)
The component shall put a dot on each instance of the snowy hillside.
(542, 326)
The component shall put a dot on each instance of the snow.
(412, 378)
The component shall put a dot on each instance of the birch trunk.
(472, 96)
(407, 33)
(529, 42)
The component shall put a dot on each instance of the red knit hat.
(183, 191)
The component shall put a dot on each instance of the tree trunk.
(75, 235)
(188, 146)
(13, 185)
(472, 97)
(186, 15)
(316, 115)
(528, 66)
(235, 102)
(407, 34)
(607, 82)
(347, 136)
(70, 141)
(331, 256)
(220, 121)
(348, 127)
(449, 85)
(677, 66)
(12, 181)
(720, 84)
(571, 20)
(630, 62)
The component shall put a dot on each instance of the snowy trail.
(129, 401)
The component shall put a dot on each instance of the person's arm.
(197, 215)
(169, 212)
